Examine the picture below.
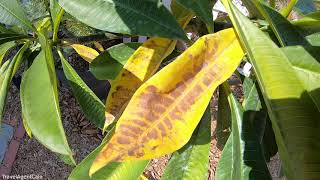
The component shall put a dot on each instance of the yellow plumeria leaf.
(163, 113)
(85, 52)
(98, 46)
(139, 68)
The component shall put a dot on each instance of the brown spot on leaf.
(206, 42)
(162, 129)
(152, 89)
(168, 123)
(140, 123)
(128, 133)
(158, 108)
(190, 56)
(139, 154)
(151, 116)
(131, 128)
(176, 114)
(207, 81)
(188, 76)
(123, 140)
(153, 134)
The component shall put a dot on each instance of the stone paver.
(6, 133)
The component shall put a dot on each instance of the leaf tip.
(109, 119)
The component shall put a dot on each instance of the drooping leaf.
(85, 52)
(109, 64)
(294, 116)
(56, 14)
(142, 17)
(192, 160)
(163, 113)
(40, 105)
(90, 104)
(139, 68)
(242, 157)
(202, 8)
(11, 13)
(4, 37)
(307, 69)
(114, 171)
(7, 72)
(4, 49)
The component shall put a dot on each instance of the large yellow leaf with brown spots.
(164, 111)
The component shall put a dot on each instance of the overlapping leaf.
(91, 105)
(4, 37)
(4, 49)
(85, 52)
(11, 13)
(40, 105)
(163, 113)
(7, 71)
(142, 17)
(242, 157)
(110, 63)
(193, 159)
(293, 114)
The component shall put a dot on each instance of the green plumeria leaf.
(141, 17)
(242, 157)
(40, 105)
(109, 64)
(293, 114)
(91, 105)
(11, 13)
